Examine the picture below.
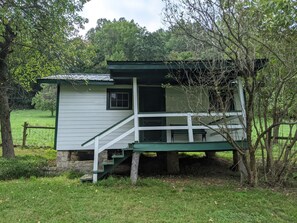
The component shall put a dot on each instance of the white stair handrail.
(108, 131)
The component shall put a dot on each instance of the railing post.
(135, 108)
(190, 127)
(25, 134)
(96, 160)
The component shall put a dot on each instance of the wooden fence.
(26, 126)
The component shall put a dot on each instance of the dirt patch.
(190, 166)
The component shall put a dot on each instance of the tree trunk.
(275, 119)
(253, 178)
(250, 161)
(6, 136)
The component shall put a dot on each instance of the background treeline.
(117, 40)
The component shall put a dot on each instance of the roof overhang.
(162, 71)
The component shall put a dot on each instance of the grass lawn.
(188, 198)
(36, 137)
(60, 199)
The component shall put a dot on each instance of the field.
(27, 194)
(34, 117)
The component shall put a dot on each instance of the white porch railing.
(189, 126)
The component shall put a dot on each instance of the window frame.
(118, 90)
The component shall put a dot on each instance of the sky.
(147, 13)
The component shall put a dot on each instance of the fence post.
(25, 134)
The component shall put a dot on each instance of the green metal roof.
(78, 78)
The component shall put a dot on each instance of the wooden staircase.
(108, 166)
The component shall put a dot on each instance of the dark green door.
(152, 99)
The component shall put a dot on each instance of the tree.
(33, 32)
(46, 99)
(241, 31)
(114, 40)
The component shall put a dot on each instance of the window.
(119, 99)
(222, 100)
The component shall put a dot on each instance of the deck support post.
(134, 167)
(210, 154)
(172, 162)
(135, 109)
(235, 160)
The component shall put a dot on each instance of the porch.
(159, 131)
(159, 123)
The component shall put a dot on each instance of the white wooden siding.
(83, 114)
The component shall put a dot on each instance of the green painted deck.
(186, 147)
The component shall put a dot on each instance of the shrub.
(23, 166)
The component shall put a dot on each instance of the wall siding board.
(83, 114)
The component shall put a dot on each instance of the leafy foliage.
(46, 99)
(33, 36)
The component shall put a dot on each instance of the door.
(152, 99)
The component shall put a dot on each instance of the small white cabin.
(145, 107)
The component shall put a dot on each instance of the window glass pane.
(125, 96)
(113, 96)
(125, 104)
(113, 103)
(119, 104)
(119, 96)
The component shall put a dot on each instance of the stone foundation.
(78, 160)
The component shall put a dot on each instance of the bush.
(22, 167)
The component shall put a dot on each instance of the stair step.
(118, 156)
(86, 178)
(105, 163)
(98, 171)
(109, 165)
(130, 146)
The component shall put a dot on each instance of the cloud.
(144, 12)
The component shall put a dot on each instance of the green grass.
(33, 198)
(36, 137)
(28, 163)
(154, 200)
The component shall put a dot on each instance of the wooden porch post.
(135, 109)
(134, 167)
(235, 160)
(172, 162)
